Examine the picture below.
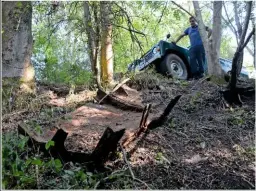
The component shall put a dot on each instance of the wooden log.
(142, 127)
(147, 126)
(107, 145)
(58, 150)
(60, 89)
(116, 101)
(116, 88)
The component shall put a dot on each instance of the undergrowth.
(25, 167)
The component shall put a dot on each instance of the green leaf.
(38, 129)
(28, 161)
(89, 173)
(159, 156)
(23, 141)
(58, 164)
(37, 162)
(49, 144)
(19, 4)
(69, 172)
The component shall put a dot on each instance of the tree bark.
(239, 31)
(216, 37)
(242, 35)
(91, 36)
(211, 50)
(106, 60)
(232, 95)
(17, 44)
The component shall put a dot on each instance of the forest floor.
(203, 145)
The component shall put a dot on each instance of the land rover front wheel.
(173, 65)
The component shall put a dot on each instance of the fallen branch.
(108, 177)
(127, 162)
(142, 127)
(121, 103)
(147, 126)
(130, 169)
(116, 88)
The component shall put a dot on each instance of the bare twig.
(127, 162)
(199, 82)
(113, 173)
(182, 8)
(161, 15)
(130, 169)
(116, 88)
(129, 29)
(229, 22)
(248, 38)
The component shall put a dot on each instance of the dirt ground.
(204, 145)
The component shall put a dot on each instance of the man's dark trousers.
(197, 60)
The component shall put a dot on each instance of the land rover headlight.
(156, 49)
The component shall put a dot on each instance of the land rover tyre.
(173, 65)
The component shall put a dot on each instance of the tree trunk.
(239, 31)
(91, 37)
(97, 41)
(216, 37)
(17, 45)
(232, 94)
(212, 50)
(239, 48)
(254, 47)
(106, 59)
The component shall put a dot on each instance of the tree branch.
(182, 8)
(246, 23)
(229, 23)
(248, 38)
(130, 26)
(161, 16)
(129, 29)
(238, 24)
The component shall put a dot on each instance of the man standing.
(196, 51)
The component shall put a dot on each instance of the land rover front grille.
(149, 56)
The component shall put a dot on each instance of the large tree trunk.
(216, 37)
(17, 45)
(211, 49)
(106, 60)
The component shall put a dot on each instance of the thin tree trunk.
(239, 50)
(97, 41)
(239, 31)
(107, 61)
(91, 37)
(232, 94)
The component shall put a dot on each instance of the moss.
(218, 80)
(14, 92)
(9, 85)
(19, 4)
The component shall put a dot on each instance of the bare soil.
(204, 145)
